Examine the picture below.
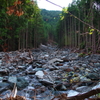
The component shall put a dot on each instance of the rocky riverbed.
(41, 74)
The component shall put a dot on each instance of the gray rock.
(30, 88)
(43, 47)
(21, 83)
(54, 60)
(30, 72)
(63, 87)
(97, 64)
(84, 79)
(11, 68)
(12, 79)
(84, 65)
(93, 76)
(29, 68)
(21, 67)
(46, 82)
(1, 78)
(38, 69)
(5, 94)
(83, 89)
(4, 71)
(3, 86)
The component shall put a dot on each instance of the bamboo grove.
(74, 33)
(21, 25)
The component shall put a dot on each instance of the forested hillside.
(51, 19)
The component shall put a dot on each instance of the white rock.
(30, 88)
(54, 60)
(46, 56)
(97, 86)
(21, 67)
(72, 93)
(39, 74)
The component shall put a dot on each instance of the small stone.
(39, 74)
(11, 68)
(97, 64)
(87, 70)
(63, 87)
(75, 79)
(31, 88)
(46, 82)
(84, 65)
(1, 79)
(46, 56)
(21, 67)
(84, 79)
(54, 60)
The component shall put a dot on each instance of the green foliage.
(82, 45)
(50, 19)
(13, 28)
(82, 55)
(91, 31)
(1, 42)
(65, 9)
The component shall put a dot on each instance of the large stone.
(97, 86)
(3, 86)
(93, 76)
(84, 65)
(72, 93)
(12, 79)
(83, 89)
(21, 82)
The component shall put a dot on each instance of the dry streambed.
(46, 72)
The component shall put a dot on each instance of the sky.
(43, 4)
